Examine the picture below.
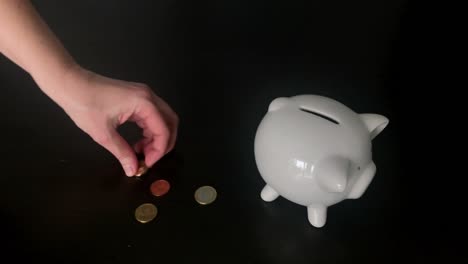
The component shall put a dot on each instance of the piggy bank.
(316, 152)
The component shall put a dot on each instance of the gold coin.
(146, 213)
(142, 169)
(205, 195)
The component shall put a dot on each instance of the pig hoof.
(317, 215)
(268, 194)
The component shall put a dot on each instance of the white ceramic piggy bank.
(316, 152)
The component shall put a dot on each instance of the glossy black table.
(65, 199)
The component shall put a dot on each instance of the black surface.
(218, 64)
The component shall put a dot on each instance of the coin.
(142, 169)
(160, 187)
(146, 213)
(205, 195)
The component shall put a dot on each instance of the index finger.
(156, 133)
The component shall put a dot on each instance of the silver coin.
(205, 195)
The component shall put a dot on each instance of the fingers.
(159, 124)
(140, 145)
(114, 143)
(157, 134)
(174, 132)
(172, 120)
(148, 138)
(152, 155)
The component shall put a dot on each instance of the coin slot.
(319, 115)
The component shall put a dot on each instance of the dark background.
(219, 64)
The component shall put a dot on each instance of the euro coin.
(205, 195)
(160, 187)
(146, 213)
(142, 169)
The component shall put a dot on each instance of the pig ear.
(332, 174)
(375, 123)
(278, 103)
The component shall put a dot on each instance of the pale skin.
(95, 103)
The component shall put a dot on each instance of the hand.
(98, 105)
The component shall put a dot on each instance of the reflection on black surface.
(219, 64)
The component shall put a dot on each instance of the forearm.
(27, 40)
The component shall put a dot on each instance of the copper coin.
(160, 187)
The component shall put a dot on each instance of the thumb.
(115, 144)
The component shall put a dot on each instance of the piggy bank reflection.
(316, 152)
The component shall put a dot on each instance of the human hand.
(98, 105)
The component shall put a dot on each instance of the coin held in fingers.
(142, 168)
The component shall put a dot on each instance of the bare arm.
(97, 104)
(28, 41)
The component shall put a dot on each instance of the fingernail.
(129, 170)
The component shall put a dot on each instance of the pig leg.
(362, 182)
(268, 194)
(317, 214)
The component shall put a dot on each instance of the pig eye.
(319, 115)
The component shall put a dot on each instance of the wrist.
(57, 82)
